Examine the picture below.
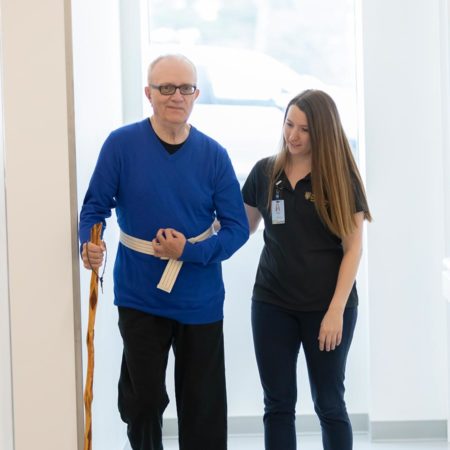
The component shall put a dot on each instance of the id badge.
(277, 212)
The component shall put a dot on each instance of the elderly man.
(168, 183)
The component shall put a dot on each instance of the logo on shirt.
(309, 196)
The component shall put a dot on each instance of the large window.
(253, 56)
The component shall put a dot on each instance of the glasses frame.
(173, 88)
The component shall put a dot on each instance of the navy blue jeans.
(278, 335)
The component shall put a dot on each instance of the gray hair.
(176, 56)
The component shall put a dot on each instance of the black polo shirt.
(300, 261)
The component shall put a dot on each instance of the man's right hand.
(94, 259)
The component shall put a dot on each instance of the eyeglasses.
(170, 89)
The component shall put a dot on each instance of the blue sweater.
(152, 189)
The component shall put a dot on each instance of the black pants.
(278, 334)
(199, 381)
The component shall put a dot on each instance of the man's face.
(172, 109)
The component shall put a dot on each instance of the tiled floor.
(361, 442)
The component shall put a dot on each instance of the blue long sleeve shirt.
(151, 189)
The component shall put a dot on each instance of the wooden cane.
(93, 297)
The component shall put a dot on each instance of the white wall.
(445, 72)
(6, 425)
(445, 102)
(405, 154)
(38, 144)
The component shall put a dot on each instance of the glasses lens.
(167, 89)
(187, 89)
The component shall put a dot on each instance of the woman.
(313, 204)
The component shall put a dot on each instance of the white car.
(243, 95)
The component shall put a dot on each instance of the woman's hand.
(330, 334)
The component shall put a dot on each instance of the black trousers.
(199, 381)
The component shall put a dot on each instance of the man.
(168, 183)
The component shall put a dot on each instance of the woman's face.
(296, 132)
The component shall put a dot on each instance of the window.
(249, 67)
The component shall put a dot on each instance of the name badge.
(277, 212)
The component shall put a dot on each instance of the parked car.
(243, 95)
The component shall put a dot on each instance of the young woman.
(313, 204)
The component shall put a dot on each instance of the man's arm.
(230, 212)
(99, 201)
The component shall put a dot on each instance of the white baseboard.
(245, 425)
(409, 430)
(309, 424)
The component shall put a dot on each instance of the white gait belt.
(173, 266)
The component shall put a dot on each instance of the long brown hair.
(334, 173)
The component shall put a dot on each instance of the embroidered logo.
(309, 196)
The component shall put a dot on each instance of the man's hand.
(94, 259)
(169, 243)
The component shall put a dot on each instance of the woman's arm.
(331, 328)
(253, 216)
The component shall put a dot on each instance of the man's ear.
(148, 94)
(197, 93)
